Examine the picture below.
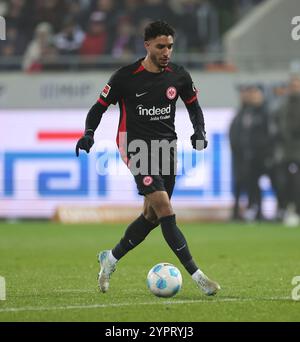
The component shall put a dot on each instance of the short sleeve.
(188, 91)
(111, 93)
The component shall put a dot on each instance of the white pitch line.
(177, 302)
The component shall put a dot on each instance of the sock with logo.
(134, 235)
(177, 242)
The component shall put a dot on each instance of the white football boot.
(209, 287)
(106, 270)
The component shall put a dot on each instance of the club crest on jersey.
(171, 93)
(106, 90)
(148, 180)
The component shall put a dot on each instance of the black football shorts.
(159, 175)
(149, 184)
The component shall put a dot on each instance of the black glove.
(199, 136)
(85, 143)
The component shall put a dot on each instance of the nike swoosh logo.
(179, 249)
(139, 95)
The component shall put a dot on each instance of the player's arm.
(109, 95)
(92, 121)
(189, 97)
(198, 139)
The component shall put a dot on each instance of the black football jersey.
(147, 100)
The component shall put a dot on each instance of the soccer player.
(146, 92)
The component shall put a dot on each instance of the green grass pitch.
(50, 271)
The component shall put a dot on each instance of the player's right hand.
(199, 140)
(84, 143)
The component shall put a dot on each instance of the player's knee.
(164, 210)
(161, 205)
(150, 214)
(151, 217)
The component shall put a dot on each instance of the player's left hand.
(199, 141)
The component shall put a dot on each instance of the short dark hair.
(158, 28)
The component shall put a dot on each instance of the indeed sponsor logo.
(153, 111)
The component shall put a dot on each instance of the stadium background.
(46, 102)
(48, 81)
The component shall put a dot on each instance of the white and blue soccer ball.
(164, 280)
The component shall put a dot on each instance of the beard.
(155, 60)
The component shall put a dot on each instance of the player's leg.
(135, 233)
(149, 212)
(161, 205)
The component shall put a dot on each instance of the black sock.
(134, 235)
(177, 242)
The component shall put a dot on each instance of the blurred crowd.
(265, 141)
(42, 31)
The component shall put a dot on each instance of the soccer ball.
(164, 280)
